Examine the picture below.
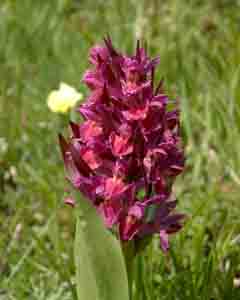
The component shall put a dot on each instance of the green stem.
(129, 255)
(129, 266)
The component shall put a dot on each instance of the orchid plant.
(124, 158)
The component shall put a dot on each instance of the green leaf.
(100, 267)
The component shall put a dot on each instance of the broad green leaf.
(100, 268)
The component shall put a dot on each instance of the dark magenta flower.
(126, 154)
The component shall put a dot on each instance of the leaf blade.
(100, 268)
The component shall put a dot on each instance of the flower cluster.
(126, 153)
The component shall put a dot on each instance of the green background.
(44, 42)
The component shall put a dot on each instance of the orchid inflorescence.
(127, 152)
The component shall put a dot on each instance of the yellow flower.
(63, 99)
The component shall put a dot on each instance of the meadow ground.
(45, 42)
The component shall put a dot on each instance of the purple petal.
(69, 201)
(164, 242)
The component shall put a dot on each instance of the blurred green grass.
(45, 42)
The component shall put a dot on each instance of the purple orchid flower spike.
(128, 144)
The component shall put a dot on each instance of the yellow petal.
(63, 99)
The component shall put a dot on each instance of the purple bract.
(127, 152)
